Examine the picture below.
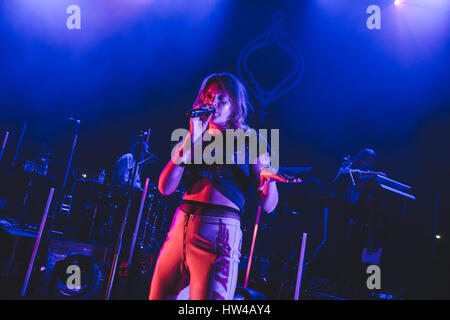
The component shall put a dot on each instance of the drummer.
(123, 170)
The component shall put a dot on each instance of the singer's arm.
(267, 192)
(268, 196)
(170, 177)
(173, 172)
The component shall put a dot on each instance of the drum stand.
(24, 207)
(142, 243)
(153, 244)
(94, 217)
(108, 222)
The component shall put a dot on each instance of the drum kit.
(92, 211)
(89, 210)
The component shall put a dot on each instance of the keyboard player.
(366, 220)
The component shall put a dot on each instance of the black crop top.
(232, 180)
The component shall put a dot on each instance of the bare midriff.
(204, 191)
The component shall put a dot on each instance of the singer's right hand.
(198, 125)
(183, 150)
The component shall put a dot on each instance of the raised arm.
(172, 173)
(267, 189)
(170, 177)
(267, 192)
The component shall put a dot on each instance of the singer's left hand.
(266, 176)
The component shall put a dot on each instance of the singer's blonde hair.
(236, 91)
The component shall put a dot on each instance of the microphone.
(202, 111)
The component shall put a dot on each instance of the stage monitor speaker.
(15, 253)
(78, 277)
(59, 250)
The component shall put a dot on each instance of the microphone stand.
(252, 248)
(69, 163)
(75, 138)
(119, 240)
(13, 163)
(146, 141)
(4, 145)
(19, 144)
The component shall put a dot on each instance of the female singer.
(202, 248)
